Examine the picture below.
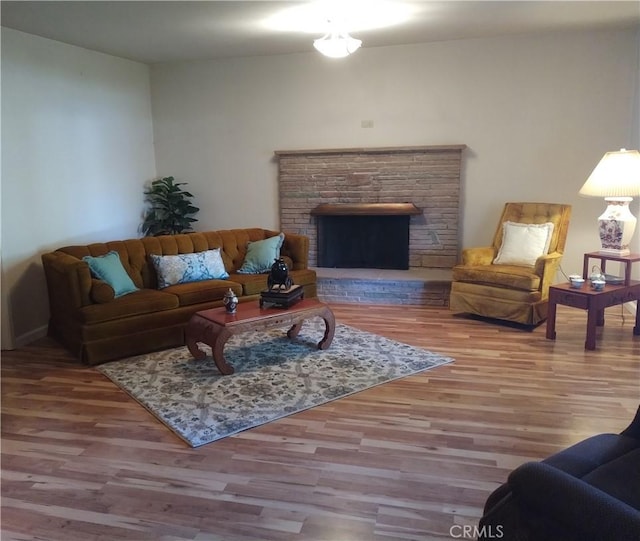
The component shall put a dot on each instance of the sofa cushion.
(610, 462)
(185, 268)
(619, 478)
(508, 276)
(585, 456)
(261, 255)
(557, 506)
(205, 291)
(252, 284)
(109, 269)
(143, 301)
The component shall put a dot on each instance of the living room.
(85, 131)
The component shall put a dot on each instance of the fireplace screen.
(367, 242)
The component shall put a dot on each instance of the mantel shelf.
(365, 209)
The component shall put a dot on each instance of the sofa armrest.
(483, 255)
(68, 281)
(633, 430)
(101, 292)
(296, 247)
(549, 494)
(546, 267)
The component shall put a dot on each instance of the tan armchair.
(511, 292)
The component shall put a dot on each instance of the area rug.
(274, 377)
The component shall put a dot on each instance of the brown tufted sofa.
(97, 327)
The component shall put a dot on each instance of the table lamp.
(617, 179)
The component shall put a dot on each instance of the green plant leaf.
(170, 210)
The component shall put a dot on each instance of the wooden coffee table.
(215, 326)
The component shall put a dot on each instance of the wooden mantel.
(365, 209)
(373, 150)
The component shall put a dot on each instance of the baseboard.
(30, 336)
(631, 307)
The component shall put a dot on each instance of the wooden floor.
(405, 460)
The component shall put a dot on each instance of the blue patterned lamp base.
(616, 227)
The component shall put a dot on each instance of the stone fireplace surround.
(426, 176)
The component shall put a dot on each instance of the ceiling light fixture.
(336, 18)
(336, 44)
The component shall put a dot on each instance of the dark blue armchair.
(590, 491)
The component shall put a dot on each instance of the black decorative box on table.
(282, 297)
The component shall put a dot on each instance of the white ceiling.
(165, 31)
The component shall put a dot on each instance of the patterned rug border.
(297, 356)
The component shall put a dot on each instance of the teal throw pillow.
(261, 254)
(109, 269)
(184, 268)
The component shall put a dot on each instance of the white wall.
(537, 114)
(77, 148)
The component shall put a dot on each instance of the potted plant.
(171, 210)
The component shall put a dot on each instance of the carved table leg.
(201, 330)
(295, 330)
(636, 329)
(330, 328)
(193, 335)
(217, 348)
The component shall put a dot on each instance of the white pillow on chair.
(522, 244)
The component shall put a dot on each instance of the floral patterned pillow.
(183, 268)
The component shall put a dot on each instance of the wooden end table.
(594, 302)
(215, 326)
(626, 260)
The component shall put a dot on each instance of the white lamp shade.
(616, 175)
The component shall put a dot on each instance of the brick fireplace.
(425, 176)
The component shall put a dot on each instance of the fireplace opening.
(368, 236)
